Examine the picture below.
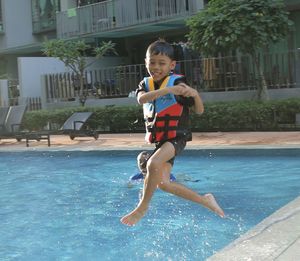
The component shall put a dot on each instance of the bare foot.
(212, 204)
(133, 217)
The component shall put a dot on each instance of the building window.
(44, 14)
(1, 21)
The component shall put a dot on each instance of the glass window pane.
(1, 21)
(44, 14)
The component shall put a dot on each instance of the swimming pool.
(67, 205)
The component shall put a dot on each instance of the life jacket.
(163, 114)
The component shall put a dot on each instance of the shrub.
(218, 116)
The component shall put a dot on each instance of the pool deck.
(275, 238)
(136, 141)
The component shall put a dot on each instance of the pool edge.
(135, 147)
(277, 237)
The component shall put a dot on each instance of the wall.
(93, 103)
(17, 24)
(30, 71)
(4, 101)
(274, 94)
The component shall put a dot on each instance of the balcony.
(119, 18)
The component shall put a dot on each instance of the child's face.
(142, 163)
(159, 66)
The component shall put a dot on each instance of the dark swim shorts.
(179, 144)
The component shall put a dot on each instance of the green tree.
(244, 25)
(74, 55)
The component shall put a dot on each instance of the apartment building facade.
(131, 24)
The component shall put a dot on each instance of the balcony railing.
(119, 14)
(281, 70)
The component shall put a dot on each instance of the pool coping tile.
(275, 238)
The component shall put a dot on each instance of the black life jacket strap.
(167, 118)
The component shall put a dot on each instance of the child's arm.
(198, 106)
(144, 97)
(191, 92)
(180, 89)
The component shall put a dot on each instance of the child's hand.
(184, 90)
(179, 89)
(189, 92)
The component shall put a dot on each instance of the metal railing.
(204, 74)
(34, 103)
(110, 82)
(116, 14)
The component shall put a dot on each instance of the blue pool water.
(67, 205)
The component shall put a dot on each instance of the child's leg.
(154, 178)
(142, 191)
(208, 200)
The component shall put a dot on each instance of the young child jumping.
(166, 100)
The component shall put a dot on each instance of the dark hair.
(142, 159)
(161, 47)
